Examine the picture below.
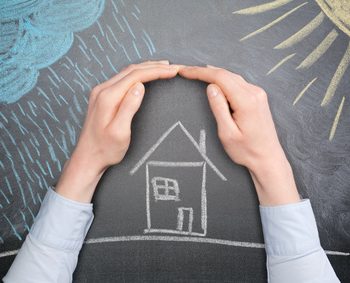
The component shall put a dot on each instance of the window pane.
(160, 181)
(172, 183)
(161, 191)
(165, 188)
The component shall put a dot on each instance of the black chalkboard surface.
(297, 51)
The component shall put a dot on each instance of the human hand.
(106, 134)
(248, 134)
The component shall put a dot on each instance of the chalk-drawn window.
(165, 188)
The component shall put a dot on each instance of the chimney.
(202, 146)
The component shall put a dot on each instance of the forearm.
(79, 179)
(294, 252)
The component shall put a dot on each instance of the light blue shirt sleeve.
(292, 244)
(50, 251)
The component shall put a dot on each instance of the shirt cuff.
(289, 229)
(62, 223)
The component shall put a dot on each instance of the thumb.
(221, 110)
(129, 106)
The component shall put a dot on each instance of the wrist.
(274, 181)
(269, 164)
(79, 179)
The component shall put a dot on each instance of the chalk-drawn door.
(185, 219)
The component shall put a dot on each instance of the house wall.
(163, 214)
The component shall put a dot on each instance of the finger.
(129, 69)
(116, 92)
(221, 110)
(232, 85)
(128, 108)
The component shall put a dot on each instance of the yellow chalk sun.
(338, 11)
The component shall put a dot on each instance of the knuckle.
(256, 90)
(239, 159)
(121, 136)
(103, 94)
(129, 68)
(94, 94)
(102, 98)
(260, 95)
(257, 97)
(260, 92)
(225, 136)
(133, 72)
(238, 77)
(96, 90)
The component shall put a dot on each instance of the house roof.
(192, 140)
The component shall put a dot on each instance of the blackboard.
(132, 238)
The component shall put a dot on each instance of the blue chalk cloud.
(34, 34)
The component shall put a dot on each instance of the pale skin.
(248, 135)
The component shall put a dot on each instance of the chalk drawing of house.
(176, 198)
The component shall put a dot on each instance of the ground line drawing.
(133, 238)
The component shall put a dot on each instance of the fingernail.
(212, 91)
(182, 67)
(174, 67)
(137, 89)
(188, 67)
(164, 62)
(212, 67)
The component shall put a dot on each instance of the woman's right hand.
(248, 134)
(106, 133)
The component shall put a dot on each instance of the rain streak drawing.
(169, 187)
(52, 53)
(338, 11)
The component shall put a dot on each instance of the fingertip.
(138, 89)
(181, 70)
(184, 68)
(171, 72)
(174, 68)
(213, 90)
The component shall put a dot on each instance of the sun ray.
(319, 50)
(338, 75)
(302, 33)
(280, 63)
(262, 8)
(336, 119)
(271, 24)
(300, 95)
